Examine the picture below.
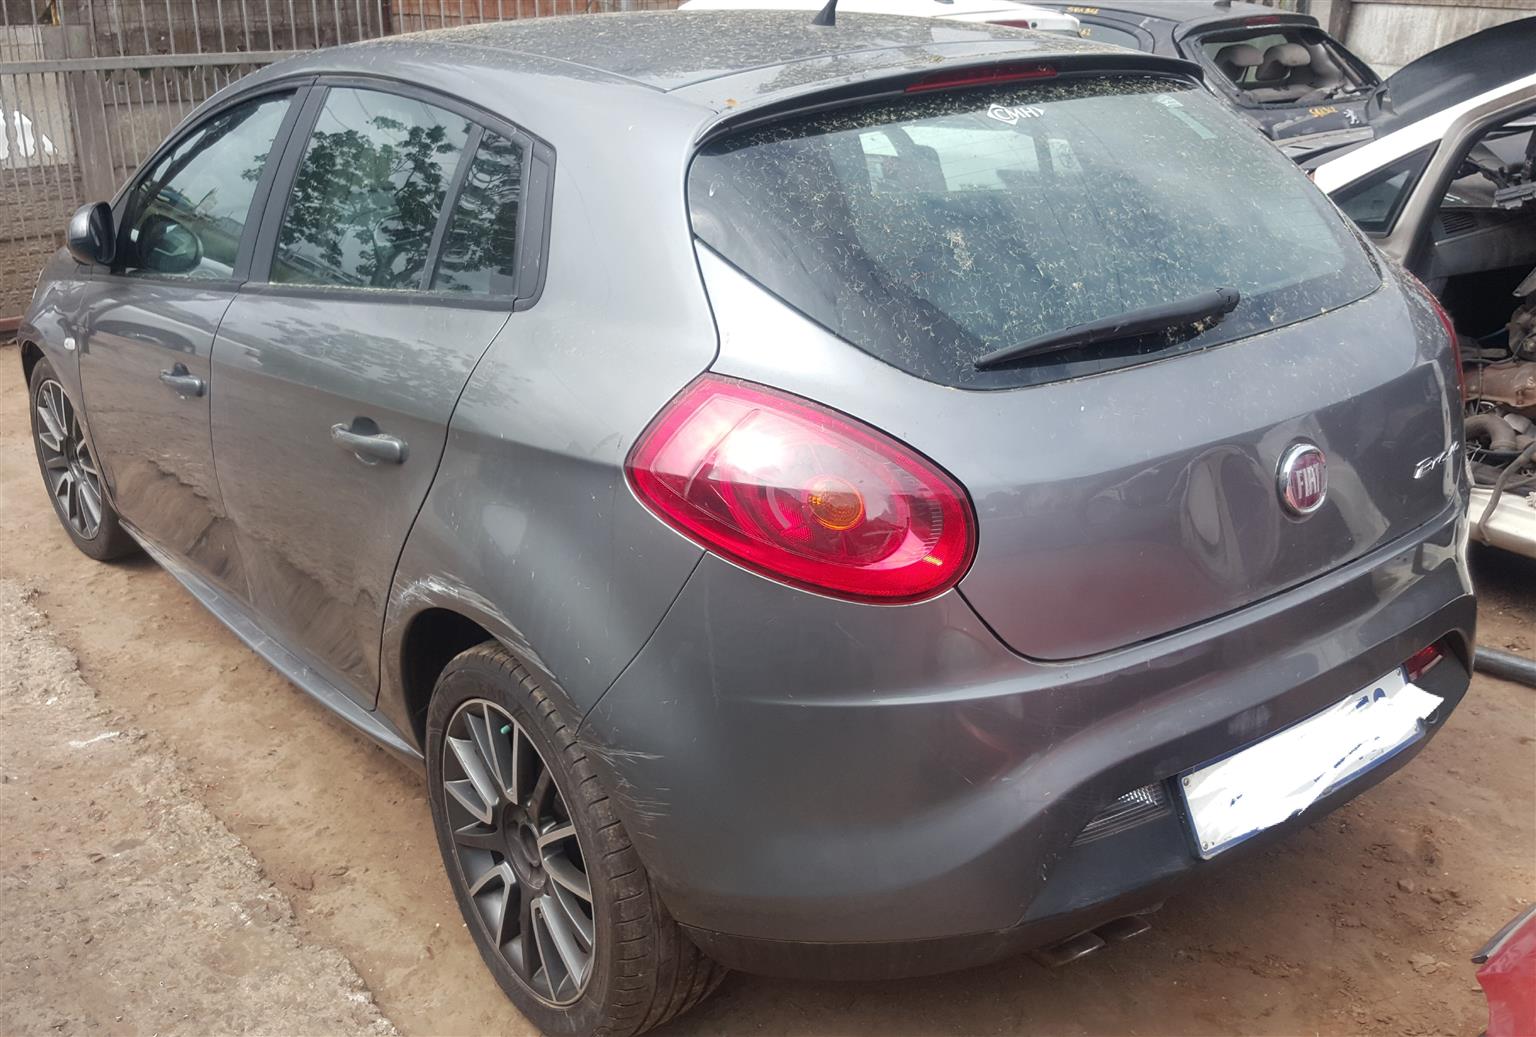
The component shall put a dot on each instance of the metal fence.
(88, 88)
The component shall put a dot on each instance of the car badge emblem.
(1303, 478)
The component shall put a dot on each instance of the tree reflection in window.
(368, 192)
(479, 252)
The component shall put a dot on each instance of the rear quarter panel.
(530, 528)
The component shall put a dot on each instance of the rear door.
(385, 269)
(148, 325)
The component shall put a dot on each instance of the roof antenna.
(827, 15)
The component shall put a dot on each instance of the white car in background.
(997, 12)
(1448, 188)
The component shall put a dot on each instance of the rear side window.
(934, 229)
(480, 247)
(368, 192)
(1375, 201)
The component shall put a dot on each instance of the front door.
(392, 268)
(147, 327)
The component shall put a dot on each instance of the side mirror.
(167, 247)
(91, 237)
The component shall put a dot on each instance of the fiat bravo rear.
(1078, 506)
(853, 500)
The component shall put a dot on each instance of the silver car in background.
(849, 501)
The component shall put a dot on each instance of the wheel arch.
(430, 621)
(31, 353)
(428, 642)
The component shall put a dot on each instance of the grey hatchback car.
(853, 500)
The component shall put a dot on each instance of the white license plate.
(1274, 780)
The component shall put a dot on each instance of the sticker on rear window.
(1011, 114)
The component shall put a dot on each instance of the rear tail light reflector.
(1422, 661)
(802, 494)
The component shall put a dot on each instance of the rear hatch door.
(1455, 73)
(865, 257)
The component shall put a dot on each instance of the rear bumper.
(824, 788)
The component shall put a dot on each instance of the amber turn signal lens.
(835, 503)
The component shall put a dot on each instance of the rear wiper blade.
(1209, 306)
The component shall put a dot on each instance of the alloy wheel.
(68, 465)
(517, 852)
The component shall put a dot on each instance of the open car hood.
(1455, 73)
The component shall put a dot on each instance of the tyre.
(70, 472)
(543, 870)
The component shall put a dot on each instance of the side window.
(1375, 201)
(186, 216)
(368, 192)
(479, 253)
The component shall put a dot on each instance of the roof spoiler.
(968, 72)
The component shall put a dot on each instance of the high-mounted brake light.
(1450, 333)
(1262, 19)
(980, 76)
(1016, 23)
(802, 494)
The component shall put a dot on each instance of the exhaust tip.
(1122, 929)
(1083, 944)
(1068, 950)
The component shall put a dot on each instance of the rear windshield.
(930, 230)
(1286, 66)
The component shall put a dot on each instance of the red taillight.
(1422, 661)
(802, 494)
(1450, 333)
(980, 76)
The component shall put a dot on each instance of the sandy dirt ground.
(1363, 923)
(127, 904)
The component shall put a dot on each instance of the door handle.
(370, 445)
(185, 384)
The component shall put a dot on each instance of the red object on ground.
(1508, 977)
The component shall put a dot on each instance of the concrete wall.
(1390, 33)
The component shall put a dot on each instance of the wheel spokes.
(68, 467)
(559, 833)
(495, 892)
(529, 887)
(496, 741)
(478, 779)
(565, 872)
(52, 433)
(477, 836)
(562, 936)
(581, 923)
(90, 501)
(538, 798)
